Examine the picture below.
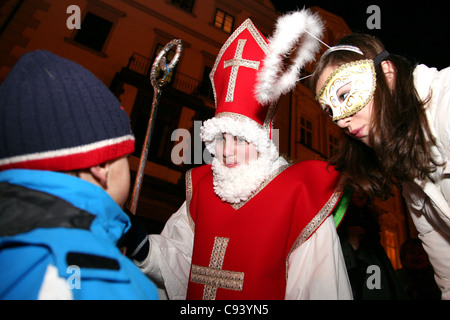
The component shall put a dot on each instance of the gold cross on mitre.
(246, 47)
(235, 63)
(213, 277)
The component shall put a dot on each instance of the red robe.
(242, 252)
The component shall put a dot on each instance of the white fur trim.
(239, 126)
(290, 28)
(66, 151)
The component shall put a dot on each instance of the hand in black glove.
(136, 239)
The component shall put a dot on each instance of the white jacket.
(429, 200)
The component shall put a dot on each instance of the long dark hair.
(399, 135)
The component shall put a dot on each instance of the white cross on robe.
(213, 277)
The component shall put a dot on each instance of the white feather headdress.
(299, 28)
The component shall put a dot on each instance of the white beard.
(237, 184)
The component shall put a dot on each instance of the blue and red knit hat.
(56, 115)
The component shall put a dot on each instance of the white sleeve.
(170, 254)
(436, 245)
(317, 269)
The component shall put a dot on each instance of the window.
(186, 5)
(390, 247)
(166, 120)
(224, 21)
(94, 32)
(205, 89)
(333, 144)
(306, 132)
(97, 27)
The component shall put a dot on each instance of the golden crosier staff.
(157, 88)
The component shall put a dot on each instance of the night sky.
(419, 30)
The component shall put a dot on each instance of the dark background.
(417, 29)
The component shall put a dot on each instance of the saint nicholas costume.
(275, 239)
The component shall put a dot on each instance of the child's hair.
(399, 132)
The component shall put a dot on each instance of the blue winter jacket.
(50, 218)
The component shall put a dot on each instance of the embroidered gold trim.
(218, 253)
(236, 116)
(247, 24)
(213, 277)
(230, 280)
(235, 63)
(239, 205)
(189, 198)
(316, 221)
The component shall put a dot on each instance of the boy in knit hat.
(64, 177)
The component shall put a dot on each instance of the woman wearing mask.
(395, 114)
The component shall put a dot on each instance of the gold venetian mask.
(348, 89)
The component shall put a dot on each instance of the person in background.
(359, 233)
(417, 273)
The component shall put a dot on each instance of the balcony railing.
(139, 64)
(179, 81)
